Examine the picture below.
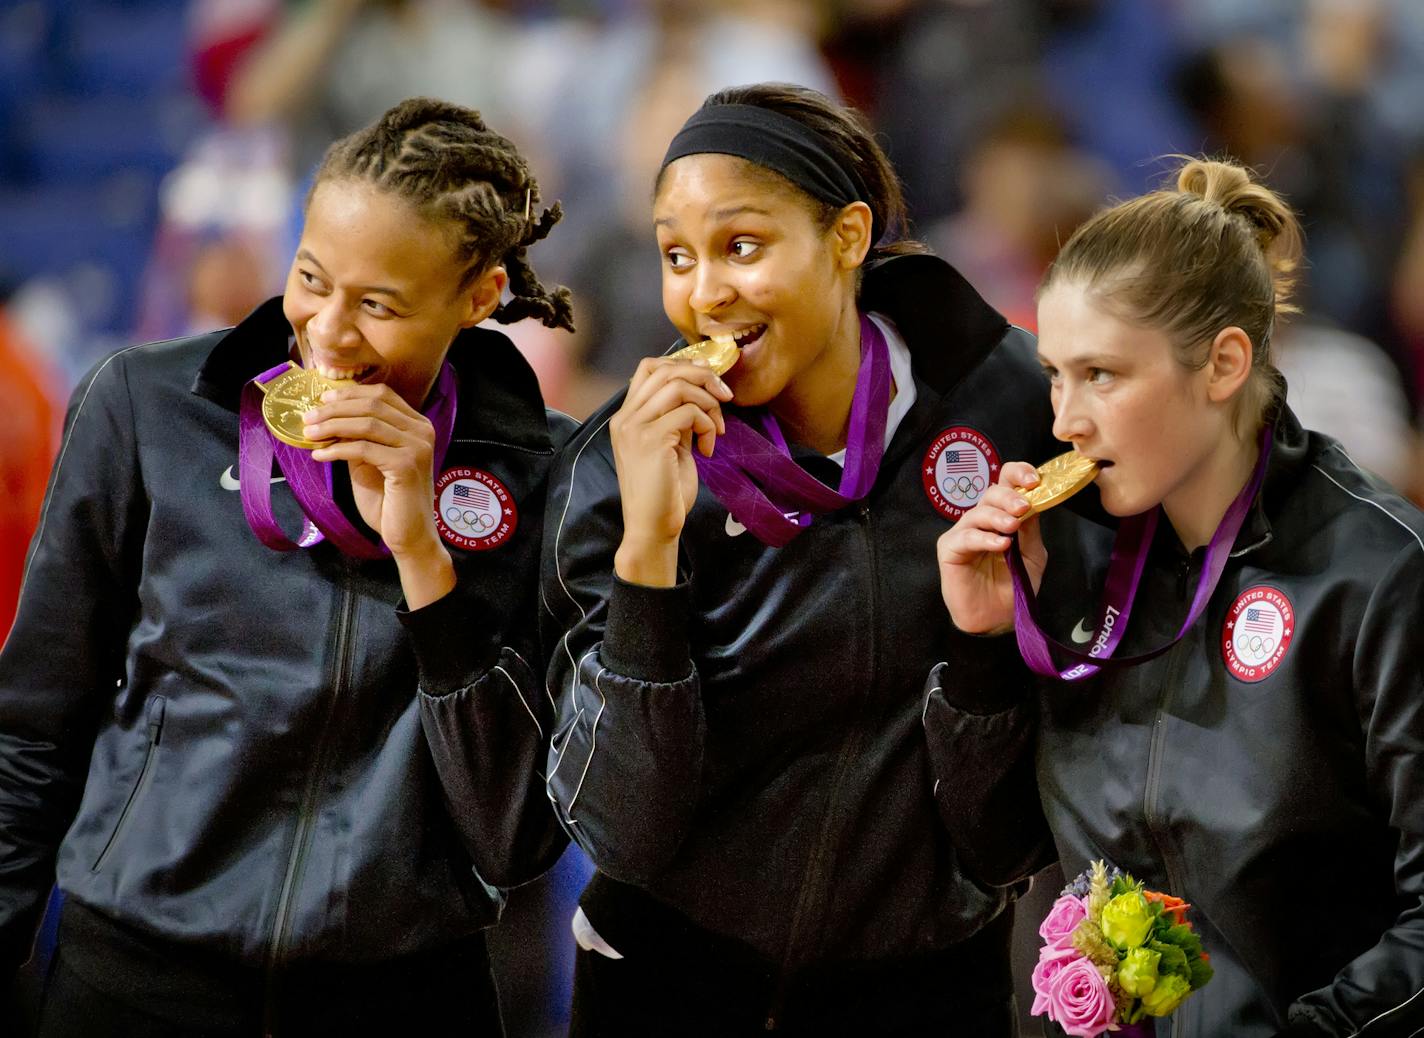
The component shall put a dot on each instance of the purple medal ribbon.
(311, 480)
(754, 476)
(1129, 559)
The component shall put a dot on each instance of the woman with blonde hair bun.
(1233, 710)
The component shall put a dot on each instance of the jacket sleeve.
(626, 761)
(63, 663)
(1381, 992)
(486, 718)
(487, 723)
(981, 751)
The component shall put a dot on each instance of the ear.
(850, 235)
(484, 295)
(1228, 364)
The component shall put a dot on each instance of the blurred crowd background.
(156, 154)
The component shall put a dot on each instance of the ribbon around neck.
(754, 476)
(311, 480)
(1130, 549)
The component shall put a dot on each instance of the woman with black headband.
(740, 568)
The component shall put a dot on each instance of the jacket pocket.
(156, 708)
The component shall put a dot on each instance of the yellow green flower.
(1166, 995)
(1138, 973)
(1127, 920)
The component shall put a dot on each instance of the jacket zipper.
(306, 817)
(850, 748)
(156, 709)
(1156, 752)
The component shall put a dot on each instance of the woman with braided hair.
(281, 776)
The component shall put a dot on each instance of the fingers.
(989, 526)
(372, 413)
(654, 374)
(391, 460)
(960, 547)
(1018, 474)
(662, 389)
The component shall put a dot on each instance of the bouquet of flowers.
(1115, 954)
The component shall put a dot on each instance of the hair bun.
(1231, 187)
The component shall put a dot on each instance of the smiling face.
(374, 291)
(743, 254)
(1162, 430)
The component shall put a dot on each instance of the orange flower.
(1171, 905)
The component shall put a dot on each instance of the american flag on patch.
(961, 461)
(477, 495)
(1257, 621)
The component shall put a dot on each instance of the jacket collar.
(500, 400)
(1289, 455)
(946, 324)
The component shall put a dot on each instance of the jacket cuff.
(646, 634)
(453, 639)
(990, 678)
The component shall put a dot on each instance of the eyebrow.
(1081, 360)
(718, 215)
(379, 290)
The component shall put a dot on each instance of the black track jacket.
(256, 753)
(746, 747)
(1269, 768)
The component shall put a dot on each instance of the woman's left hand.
(389, 448)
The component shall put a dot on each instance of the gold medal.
(1059, 479)
(720, 353)
(289, 396)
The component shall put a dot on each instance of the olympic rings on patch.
(469, 519)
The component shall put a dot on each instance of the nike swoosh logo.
(734, 528)
(1081, 635)
(230, 482)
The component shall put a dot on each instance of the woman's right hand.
(973, 573)
(671, 405)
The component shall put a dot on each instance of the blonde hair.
(1219, 250)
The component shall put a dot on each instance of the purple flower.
(1079, 1001)
(1062, 919)
(1081, 883)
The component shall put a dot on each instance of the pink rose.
(1062, 919)
(1050, 964)
(1079, 1000)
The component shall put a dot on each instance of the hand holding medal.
(974, 577)
(672, 409)
(376, 432)
(388, 447)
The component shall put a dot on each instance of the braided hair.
(444, 161)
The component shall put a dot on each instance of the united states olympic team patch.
(473, 509)
(958, 467)
(1258, 631)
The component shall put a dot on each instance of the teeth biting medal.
(1059, 479)
(719, 352)
(289, 396)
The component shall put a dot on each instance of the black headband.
(778, 142)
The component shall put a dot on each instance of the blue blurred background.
(155, 151)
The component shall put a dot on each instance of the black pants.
(106, 983)
(685, 993)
